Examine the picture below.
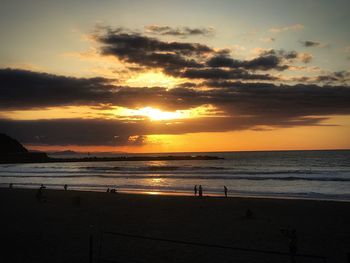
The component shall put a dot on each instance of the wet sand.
(58, 230)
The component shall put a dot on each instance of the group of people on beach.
(199, 190)
(112, 191)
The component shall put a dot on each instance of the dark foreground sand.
(58, 230)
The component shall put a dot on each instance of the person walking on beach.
(195, 190)
(225, 190)
(200, 191)
(65, 187)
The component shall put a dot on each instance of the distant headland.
(12, 151)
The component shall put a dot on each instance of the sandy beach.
(58, 230)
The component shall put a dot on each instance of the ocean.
(283, 174)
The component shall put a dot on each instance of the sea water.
(287, 174)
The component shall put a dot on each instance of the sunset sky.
(175, 76)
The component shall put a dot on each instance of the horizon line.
(232, 151)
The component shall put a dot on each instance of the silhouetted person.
(40, 195)
(65, 187)
(200, 191)
(248, 214)
(11, 185)
(107, 190)
(225, 190)
(195, 190)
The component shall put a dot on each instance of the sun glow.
(153, 79)
(112, 112)
(155, 114)
(158, 115)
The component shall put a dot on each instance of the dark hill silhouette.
(11, 151)
(10, 146)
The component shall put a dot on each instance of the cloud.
(217, 73)
(20, 89)
(309, 43)
(179, 31)
(288, 56)
(151, 52)
(72, 132)
(241, 105)
(338, 76)
(286, 28)
(267, 60)
(268, 39)
(305, 57)
(264, 62)
(118, 133)
(192, 60)
(29, 89)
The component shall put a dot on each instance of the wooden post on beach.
(90, 248)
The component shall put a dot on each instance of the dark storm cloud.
(308, 43)
(241, 106)
(151, 52)
(338, 76)
(342, 77)
(118, 133)
(246, 106)
(20, 89)
(289, 56)
(28, 89)
(224, 61)
(264, 62)
(218, 73)
(192, 60)
(178, 31)
(70, 131)
(267, 60)
(282, 54)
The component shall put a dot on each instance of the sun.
(158, 115)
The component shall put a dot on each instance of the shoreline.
(158, 192)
